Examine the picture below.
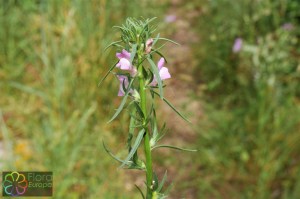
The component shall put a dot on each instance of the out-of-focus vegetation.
(250, 136)
(53, 116)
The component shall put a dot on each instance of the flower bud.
(149, 43)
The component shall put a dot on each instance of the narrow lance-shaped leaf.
(115, 157)
(161, 184)
(112, 44)
(135, 146)
(107, 73)
(169, 40)
(141, 192)
(133, 52)
(159, 53)
(139, 110)
(147, 24)
(169, 103)
(155, 181)
(130, 133)
(120, 108)
(173, 147)
(156, 39)
(156, 73)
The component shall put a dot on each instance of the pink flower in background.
(237, 46)
(124, 63)
(122, 78)
(163, 72)
(170, 18)
(287, 26)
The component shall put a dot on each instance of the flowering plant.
(141, 80)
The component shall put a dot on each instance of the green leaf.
(169, 189)
(156, 39)
(161, 184)
(173, 147)
(135, 146)
(161, 133)
(159, 53)
(131, 132)
(171, 105)
(105, 76)
(147, 24)
(156, 73)
(111, 44)
(133, 52)
(120, 108)
(155, 179)
(150, 77)
(140, 191)
(154, 125)
(115, 157)
(139, 110)
(122, 28)
(169, 40)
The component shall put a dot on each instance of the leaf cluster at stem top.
(136, 30)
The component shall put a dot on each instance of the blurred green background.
(244, 102)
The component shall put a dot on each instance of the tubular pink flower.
(124, 62)
(163, 72)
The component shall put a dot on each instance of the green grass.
(249, 134)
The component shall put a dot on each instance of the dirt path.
(179, 91)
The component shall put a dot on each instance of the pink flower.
(287, 26)
(237, 46)
(149, 43)
(124, 63)
(122, 78)
(163, 72)
(170, 18)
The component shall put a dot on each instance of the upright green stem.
(149, 171)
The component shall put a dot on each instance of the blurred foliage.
(251, 132)
(53, 115)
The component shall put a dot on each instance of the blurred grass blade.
(156, 73)
(182, 116)
(135, 146)
(174, 147)
(28, 89)
(120, 108)
(105, 76)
